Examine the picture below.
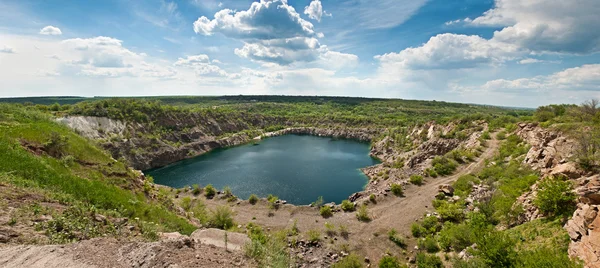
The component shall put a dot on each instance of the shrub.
(496, 249)
(429, 244)
(210, 191)
(555, 197)
(227, 191)
(350, 261)
(319, 202)
(431, 173)
(443, 165)
(393, 236)
(314, 236)
(57, 145)
(425, 260)
(417, 230)
(501, 135)
(344, 231)
(326, 211)
(347, 206)
(397, 189)
(464, 184)
(456, 236)
(416, 179)
(222, 217)
(486, 135)
(372, 198)
(272, 199)
(196, 190)
(545, 257)
(330, 229)
(186, 203)
(362, 214)
(389, 262)
(253, 199)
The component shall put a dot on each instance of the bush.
(417, 230)
(362, 214)
(393, 236)
(253, 199)
(186, 203)
(464, 184)
(397, 189)
(372, 198)
(428, 261)
(431, 173)
(314, 236)
(456, 236)
(416, 179)
(496, 249)
(196, 190)
(501, 135)
(227, 191)
(443, 165)
(350, 261)
(486, 135)
(210, 191)
(344, 231)
(429, 244)
(347, 206)
(326, 211)
(222, 218)
(555, 197)
(330, 229)
(389, 262)
(319, 202)
(545, 257)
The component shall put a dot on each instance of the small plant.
(397, 189)
(273, 205)
(362, 214)
(416, 179)
(393, 236)
(222, 218)
(196, 190)
(486, 135)
(294, 229)
(318, 203)
(372, 198)
(425, 260)
(326, 211)
(417, 230)
(253, 199)
(227, 192)
(330, 229)
(350, 261)
(314, 236)
(344, 231)
(429, 244)
(210, 191)
(501, 135)
(186, 203)
(12, 221)
(347, 206)
(389, 262)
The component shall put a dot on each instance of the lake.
(296, 168)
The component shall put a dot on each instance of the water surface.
(295, 168)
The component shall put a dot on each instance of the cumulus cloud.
(450, 51)
(315, 10)
(50, 30)
(7, 49)
(201, 64)
(583, 78)
(102, 51)
(272, 32)
(546, 26)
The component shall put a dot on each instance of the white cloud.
(201, 64)
(450, 51)
(532, 61)
(272, 32)
(50, 30)
(380, 14)
(546, 26)
(7, 49)
(315, 10)
(193, 60)
(583, 78)
(102, 51)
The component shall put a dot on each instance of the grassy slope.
(92, 177)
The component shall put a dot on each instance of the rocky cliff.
(552, 154)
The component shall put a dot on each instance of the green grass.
(18, 124)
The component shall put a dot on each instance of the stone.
(367, 260)
(99, 218)
(446, 189)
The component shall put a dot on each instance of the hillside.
(459, 185)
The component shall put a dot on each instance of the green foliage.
(496, 249)
(416, 179)
(486, 135)
(267, 250)
(501, 135)
(545, 257)
(372, 198)
(57, 145)
(196, 190)
(389, 262)
(344, 231)
(186, 203)
(397, 189)
(330, 229)
(347, 206)
(443, 165)
(325, 211)
(429, 244)
(464, 184)
(417, 230)
(314, 235)
(362, 214)
(210, 191)
(430, 172)
(350, 261)
(393, 236)
(253, 199)
(513, 146)
(319, 202)
(425, 260)
(555, 197)
(221, 217)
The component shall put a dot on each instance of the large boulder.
(216, 237)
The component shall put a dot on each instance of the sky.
(521, 53)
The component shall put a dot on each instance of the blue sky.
(502, 52)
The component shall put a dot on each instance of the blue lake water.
(295, 168)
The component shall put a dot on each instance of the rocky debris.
(360, 134)
(6, 234)
(446, 189)
(548, 149)
(584, 231)
(588, 190)
(355, 196)
(530, 210)
(94, 127)
(432, 148)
